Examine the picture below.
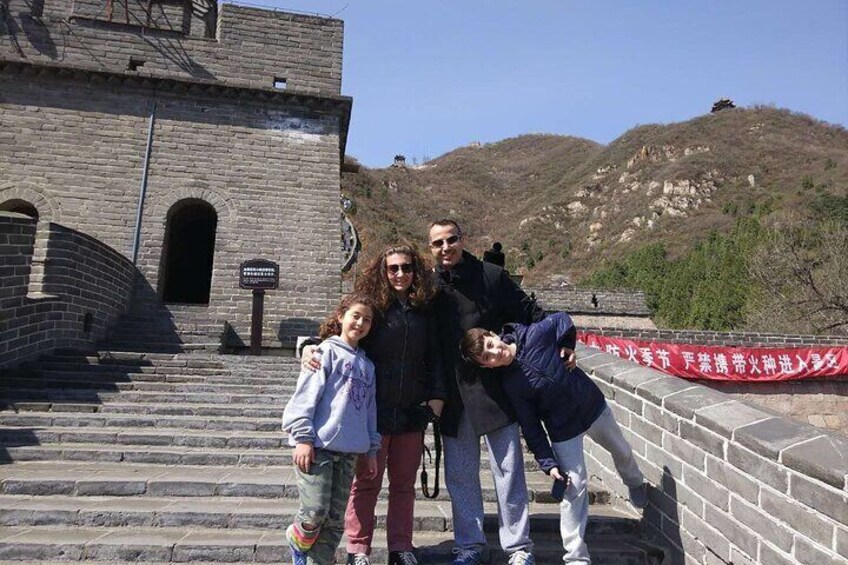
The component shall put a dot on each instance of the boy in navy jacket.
(556, 404)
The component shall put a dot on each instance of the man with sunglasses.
(478, 294)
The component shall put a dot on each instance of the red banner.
(726, 363)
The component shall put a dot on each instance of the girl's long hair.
(332, 326)
(374, 280)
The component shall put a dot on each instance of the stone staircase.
(125, 455)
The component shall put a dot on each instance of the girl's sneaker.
(298, 556)
(402, 558)
(358, 559)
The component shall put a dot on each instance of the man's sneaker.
(298, 557)
(466, 556)
(639, 495)
(522, 557)
(358, 559)
(402, 558)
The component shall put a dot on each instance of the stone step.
(79, 382)
(44, 478)
(283, 368)
(161, 347)
(60, 394)
(168, 545)
(200, 409)
(173, 360)
(114, 368)
(176, 455)
(16, 436)
(245, 512)
(101, 420)
(70, 378)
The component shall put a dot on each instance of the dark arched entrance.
(20, 207)
(188, 252)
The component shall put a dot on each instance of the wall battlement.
(731, 483)
(230, 44)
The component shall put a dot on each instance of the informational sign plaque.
(259, 274)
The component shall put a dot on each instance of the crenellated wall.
(84, 287)
(731, 483)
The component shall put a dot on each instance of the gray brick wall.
(81, 277)
(730, 483)
(251, 47)
(596, 302)
(269, 168)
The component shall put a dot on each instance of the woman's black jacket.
(405, 349)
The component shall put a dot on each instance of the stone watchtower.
(186, 137)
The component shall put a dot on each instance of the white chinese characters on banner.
(726, 363)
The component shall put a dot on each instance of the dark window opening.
(188, 252)
(19, 207)
(87, 322)
(134, 64)
(279, 83)
(37, 7)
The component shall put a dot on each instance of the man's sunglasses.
(437, 243)
(405, 268)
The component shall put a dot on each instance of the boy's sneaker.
(402, 558)
(639, 495)
(522, 557)
(466, 556)
(358, 559)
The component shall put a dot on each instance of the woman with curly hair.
(404, 347)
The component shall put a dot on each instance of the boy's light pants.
(574, 509)
(462, 477)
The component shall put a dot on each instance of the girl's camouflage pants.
(324, 492)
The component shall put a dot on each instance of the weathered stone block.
(758, 467)
(770, 437)
(656, 391)
(824, 458)
(702, 438)
(735, 481)
(797, 516)
(827, 500)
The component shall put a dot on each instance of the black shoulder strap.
(437, 439)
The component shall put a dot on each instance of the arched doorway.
(188, 252)
(20, 207)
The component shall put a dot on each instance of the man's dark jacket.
(405, 348)
(474, 294)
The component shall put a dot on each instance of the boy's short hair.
(473, 344)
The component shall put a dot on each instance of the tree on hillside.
(801, 269)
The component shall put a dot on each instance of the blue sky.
(428, 76)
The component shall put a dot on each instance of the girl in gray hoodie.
(331, 420)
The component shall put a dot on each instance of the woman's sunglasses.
(405, 268)
(437, 243)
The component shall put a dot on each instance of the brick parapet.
(252, 46)
(730, 483)
(85, 286)
(587, 301)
